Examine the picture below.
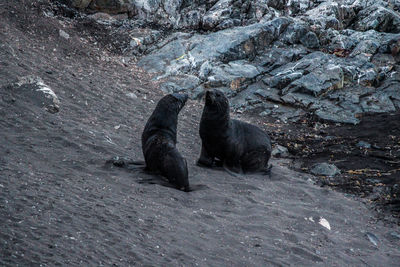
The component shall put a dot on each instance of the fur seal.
(159, 141)
(237, 146)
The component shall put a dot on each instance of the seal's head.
(181, 98)
(216, 100)
(172, 102)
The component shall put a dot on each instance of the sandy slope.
(60, 204)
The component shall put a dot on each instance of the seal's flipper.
(175, 169)
(268, 171)
(205, 160)
(127, 163)
(229, 170)
(196, 187)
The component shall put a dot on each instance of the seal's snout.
(210, 97)
(181, 97)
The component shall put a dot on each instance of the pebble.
(63, 34)
(280, 152)
(131, 95)
(362, 144)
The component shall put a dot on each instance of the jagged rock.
(226, 45)
(336, 114)
(278, 56)
(219, 12)
(378, 103)
(265, 92)
(365, 47)
(192, 19)
(378, 18)
(310, 40)
(82, 4)
(109, 6)
(331, 14)
(294, 32)
(325, 169)
(264, 59)
(285, 113)
(299, 6)
(283, 79)
(299, 100)
(33, 90)
(183, 83)
(277, 4)
(234, 75)
(102, 17)
(390, 89)
(205, 70)
(330, 77)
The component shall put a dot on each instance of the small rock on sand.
(325, 169)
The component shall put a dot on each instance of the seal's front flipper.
(196, 187)
(232, 171)
(149, 181)
(205, 160)
(218, 163)
(232, 165)
(128, 163)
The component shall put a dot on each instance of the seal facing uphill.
(238, 146)
(159, 142)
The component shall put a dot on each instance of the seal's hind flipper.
(268, 171)
(128, 163)
(232, 173)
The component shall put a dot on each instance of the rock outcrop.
(333, 59)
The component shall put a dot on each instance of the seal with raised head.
(237, 146)
(159, 141)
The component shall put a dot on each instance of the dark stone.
(310, 40)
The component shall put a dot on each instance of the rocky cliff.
(334, 59)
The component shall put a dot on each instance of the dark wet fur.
(159, 142)
(240, 146)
